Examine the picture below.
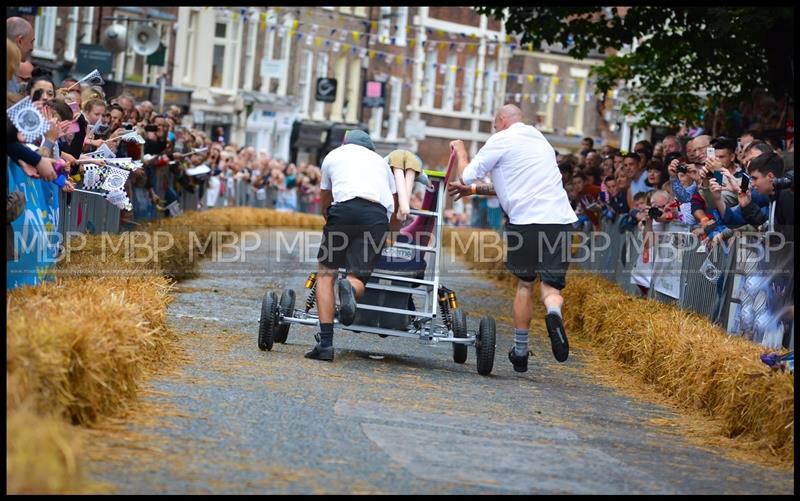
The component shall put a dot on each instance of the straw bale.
(692, 363)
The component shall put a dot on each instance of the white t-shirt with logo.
(525, 176)
(351, 171)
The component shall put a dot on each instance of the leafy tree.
(687, 61)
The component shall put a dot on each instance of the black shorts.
(353, 237)
(539, 249)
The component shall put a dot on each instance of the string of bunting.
(340, 46)
(338, 40)
(460, 39)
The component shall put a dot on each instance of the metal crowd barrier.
(708, 283)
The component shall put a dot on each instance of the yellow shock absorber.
(312, 279)
(451, 296)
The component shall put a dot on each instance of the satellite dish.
(114, 38)
(144, 40)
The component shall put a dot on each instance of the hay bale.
(42, 455)
(693, 363)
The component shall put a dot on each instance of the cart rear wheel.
(460, 331)
(268, 321)
(287, 309)
(485, 345)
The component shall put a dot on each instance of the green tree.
(687, 61)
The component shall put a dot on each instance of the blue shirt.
(639, 186)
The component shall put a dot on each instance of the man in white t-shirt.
(526, 180)
(358, 197)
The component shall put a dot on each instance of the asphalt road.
(390, 415)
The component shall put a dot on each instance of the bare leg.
(326, 303)
(403, 196)
(523, 304)
(358, 285)
(551, 297)
(410, 177)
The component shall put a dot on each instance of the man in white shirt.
(358, 197)
(526, 180)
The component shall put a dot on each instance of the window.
(322, 72)
(384, 25)
(430, 79)
(469, 86)
(360, 11)
(45, 33)
(577, 100)
(346, 10)
(191, 41)
(153, 73)
(218, 55)
(450, 82)
(546, 95)
(394, 107)
(489, 84)
(224, 56)
(304, 82)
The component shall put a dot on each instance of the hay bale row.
(77, 349)
(693, 363)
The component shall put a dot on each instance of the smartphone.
(151, 128)
(745, 184)
(74, 106)
(74, 127)
(717, 177)
(711, 152)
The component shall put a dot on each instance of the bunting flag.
(28, 120)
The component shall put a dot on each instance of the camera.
(787, 181)
(683, 168)
(127, 126)
(151, 128)
(655, 213)
(37, 95)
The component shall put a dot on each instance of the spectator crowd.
(175, 159)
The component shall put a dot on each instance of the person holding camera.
(765, 176)
(682, 184)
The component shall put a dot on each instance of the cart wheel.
(485, 345)
(287, 308)
(459, 330)
(268, 321)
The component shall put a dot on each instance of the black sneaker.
(558, 336)
(347, 302)
(318, 352)
(520, 363)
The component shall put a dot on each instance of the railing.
(749, 279)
